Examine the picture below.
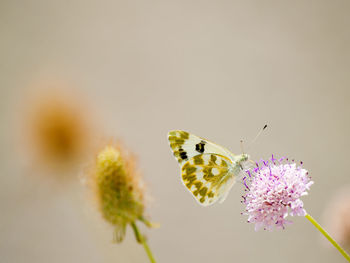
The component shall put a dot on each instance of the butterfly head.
(241, 164)
(243, 158)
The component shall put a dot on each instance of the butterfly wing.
(208, 176)
(186, 145)
(207, 168)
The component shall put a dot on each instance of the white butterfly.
(207, 170)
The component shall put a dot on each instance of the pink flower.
(273, 191)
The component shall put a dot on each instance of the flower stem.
(141, 239)
(330, 239)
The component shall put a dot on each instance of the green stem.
(330, 239)
(141, 239)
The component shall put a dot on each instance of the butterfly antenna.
(242, 149)
(257, 136)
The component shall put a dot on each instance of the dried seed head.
(118, 190)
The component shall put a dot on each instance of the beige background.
(220, 69)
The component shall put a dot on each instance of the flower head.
(118, 188)
(273, 190)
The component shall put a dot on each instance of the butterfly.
(208, 170)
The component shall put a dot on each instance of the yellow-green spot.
(210, 194)
(173, 145)
(189, 178)
(198, 160)
(184, 135)
(179, 141)
(189, 170)
(207, 171)
(198, 184)
(203, 191)
(223, 163)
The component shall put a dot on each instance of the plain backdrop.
(219, 69)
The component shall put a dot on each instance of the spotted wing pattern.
(185, 146)
(208, 177)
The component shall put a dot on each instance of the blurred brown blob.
(337, 217)
(57, 130)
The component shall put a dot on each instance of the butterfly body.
(208, 170)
